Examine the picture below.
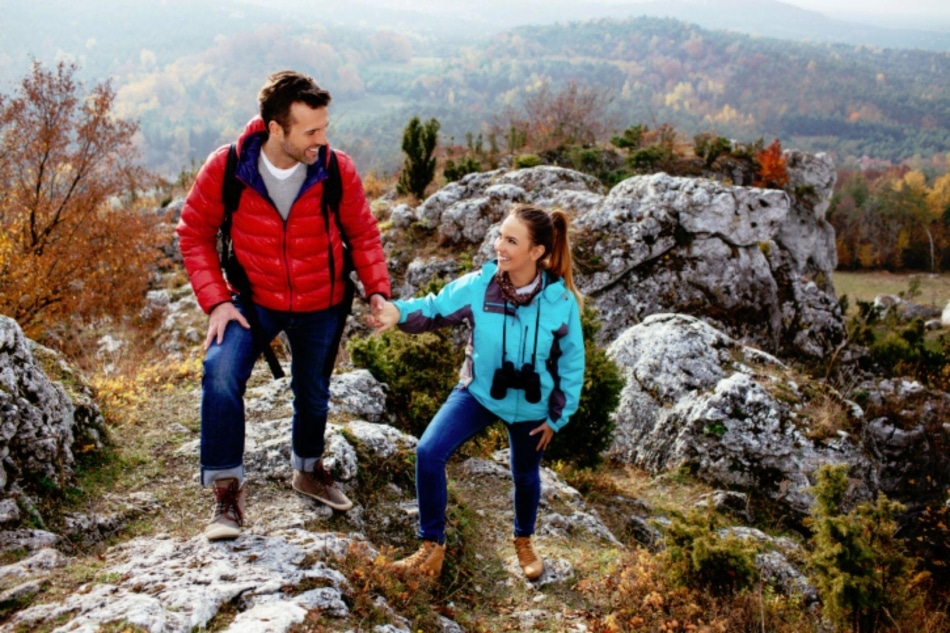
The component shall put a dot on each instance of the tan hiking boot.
(229, 510)
(427, 560)
(531, 563)
(320, 486)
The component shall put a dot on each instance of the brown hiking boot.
(320, 486)
(229, 510)
(531, 563)
(427, 560)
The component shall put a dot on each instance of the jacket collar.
(553, 285)
(249, 151)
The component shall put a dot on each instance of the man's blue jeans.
(461, 418)
(227, 368)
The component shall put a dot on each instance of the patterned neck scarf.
(511, 294)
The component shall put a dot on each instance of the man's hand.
(547, 434)
(218, 321)
(376, 303)
(385, 317)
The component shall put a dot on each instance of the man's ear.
(274, 129)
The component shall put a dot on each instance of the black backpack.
(237, 277)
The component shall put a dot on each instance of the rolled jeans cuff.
(210, 475)
(305, 464)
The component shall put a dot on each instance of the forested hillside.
(855, 101)
(190, 78)
(886, 104)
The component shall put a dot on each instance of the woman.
(524, 365)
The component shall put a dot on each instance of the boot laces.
(227, 502)
(526, 554)
(321, 476)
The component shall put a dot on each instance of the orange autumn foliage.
(772, 173)
(76, 240)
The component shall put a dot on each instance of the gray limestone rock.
(755, 263)
(42, 420)
(171, 585)
(422, 271)
(692, 399)
(740, 258)
(358, 394)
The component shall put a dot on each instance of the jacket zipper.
(290, 285)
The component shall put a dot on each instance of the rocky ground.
(706, 290)
(135, 558)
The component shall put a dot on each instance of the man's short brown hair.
(283, 89)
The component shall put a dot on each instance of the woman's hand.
(547, 434)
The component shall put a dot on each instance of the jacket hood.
(253, 127)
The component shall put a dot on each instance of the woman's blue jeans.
(227, 368)
(461, 418)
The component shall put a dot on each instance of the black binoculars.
(510, 378)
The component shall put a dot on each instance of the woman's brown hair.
(549, 229)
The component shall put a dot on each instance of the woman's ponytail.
(560, 261)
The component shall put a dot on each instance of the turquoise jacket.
(476, 299)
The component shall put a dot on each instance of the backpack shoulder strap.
(230, 190)
(333, 194)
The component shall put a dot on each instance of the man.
(293, 257)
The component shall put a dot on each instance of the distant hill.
(850, 101)
(788, 22)
(189, 72)
(768, 18)
(886, 103)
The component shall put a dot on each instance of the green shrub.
(588, 160)
(631, 138)
(699, 557)
(901, 350)
(419, 141)
(420, 371)
(709, 147)
(649, 158)
(860, 569)
(465, 166)
(524, 161)
(891, 349)
(590, 430)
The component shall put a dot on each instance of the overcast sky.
(851, 8)
(878, 7)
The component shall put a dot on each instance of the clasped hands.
(383, 314)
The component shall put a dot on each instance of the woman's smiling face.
(517, 254)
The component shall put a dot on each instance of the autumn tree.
(888, 220)
(573, 115)
(772, 173)
(75, 241)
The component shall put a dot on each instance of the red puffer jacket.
(287, 262)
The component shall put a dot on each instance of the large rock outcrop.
(41, 424)
(697, 399)
(756, 263)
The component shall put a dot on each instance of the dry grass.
(864, 286)
(376, 184)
